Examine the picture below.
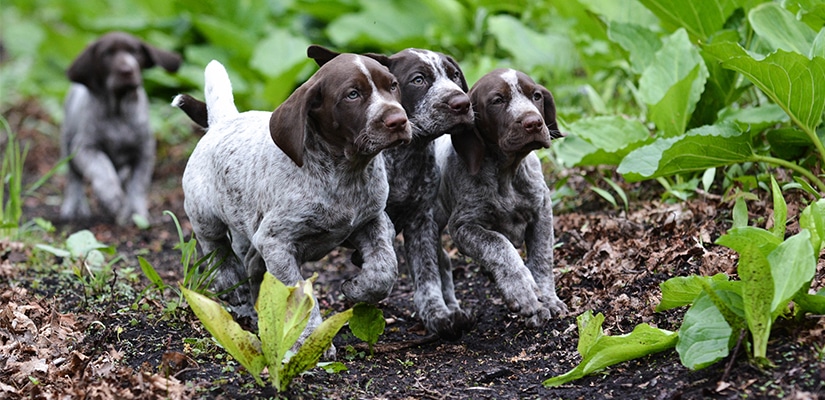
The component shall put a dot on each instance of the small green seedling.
(84, 254)
(283, 313)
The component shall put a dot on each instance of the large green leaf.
(739, 238)
(673, 83)
(791, 80)
(721, 89)
(697, 150)
(271, 308)
(683, 290)
(281, 57)
(704, 336)
(780, 28)
(532, 49)
(314, 346)
(242, 345)
(701, 18)
(792, 265)
(757, 292)
(640, 42)
(672, 113)
(604, 351)
(812, 218)
(600, 140)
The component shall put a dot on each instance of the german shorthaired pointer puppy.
(106, 127)
(270, 190)
(433, 92)
(493, 196)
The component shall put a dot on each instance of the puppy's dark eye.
(394, 86)
(537, 96)
(418, 80)
(457, 76)
(353, 94)
(497, 100)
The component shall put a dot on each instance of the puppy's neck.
(120, 102)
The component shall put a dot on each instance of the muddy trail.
(60, 337)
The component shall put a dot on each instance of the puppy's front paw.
(555, 305)
(541, 316)
(449, 326)
(370, 292)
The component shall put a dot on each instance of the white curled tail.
(220, 103)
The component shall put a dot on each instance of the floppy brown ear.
(550, 114)
(165, 59)
(288, 123)
(382, 59)
(469, 147)
(464, 86)
(320, 54)
(85, 70)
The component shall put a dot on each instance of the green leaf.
(683, 290)
(740, 213)
(812, 218)
(757, 292)
(242, 345)
(609, 350)
(791, 80)
(529, 48)
(315, 345)
(226, 35)
(704, 336)
(676, 59)
(780, 210)
(740, 238)
(281, 57)
(54, 250)
(151, 273)
(781, 29)
(792, 264)
(755, 119)
(367, 323)
(332, 367)
(672, 113)
(271, 307)
(698, 149)
(299, 305)
(600, 140)
(640, 42)
(812, 303)
(701, 18)
(81, 243)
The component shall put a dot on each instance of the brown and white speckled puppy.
(271, 190)
(493, 197)
(433, 93)
(106, 127)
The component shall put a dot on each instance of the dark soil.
(58, 337)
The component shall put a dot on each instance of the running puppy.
(270, 190)
(106, 127)
(433, 93)
(493, 197)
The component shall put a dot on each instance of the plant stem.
(787, 164)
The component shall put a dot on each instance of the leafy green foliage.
(599, 351)
(367, 323)
(283, 314)
(84, 254)
(773, 272)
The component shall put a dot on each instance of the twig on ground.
(726, 374)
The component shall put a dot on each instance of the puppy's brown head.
(433, 91)
(113, 63)
(513, 115)
(351, 106)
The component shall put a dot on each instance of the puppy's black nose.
(459, 104)
(532, 124)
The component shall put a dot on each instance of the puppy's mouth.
(516, 144)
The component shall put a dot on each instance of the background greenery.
(630, 77)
